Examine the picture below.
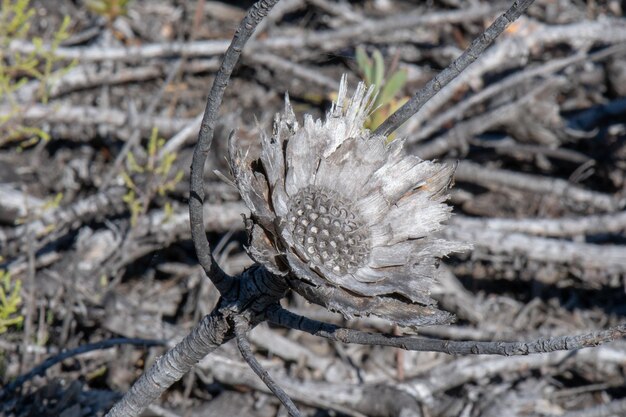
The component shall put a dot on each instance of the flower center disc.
(327, 230)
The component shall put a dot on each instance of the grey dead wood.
(610, 223)
(182, 137)
(135, 135)
(241, 328)
(59, 220)
(16, 204)
(114, 119)
(442, 79)
(290, 350)
(464, 370)
(19, 266)
(609, 258)
(231, 403)
(508, 114)
(213, 330)
(89, 75)
(61, 356)
(511, 400)
(165, 229)
(196, 216)
(457, 111)
(574, 194)
(281, 65)
(453, 297)
(132, 53)
(328, 40)
(354, 397)
(515, 50)
(279, 11)
(349, 397)
(522, 151)
(342, 10)
(290, 320)
(154, 230)
(249, 294)
(460, 332)
(161, 412)
(610, 409)
(253, 296)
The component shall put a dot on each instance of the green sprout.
(386, 87)
(110, 9)
(148, 179)
(10, 301)
(18, 68)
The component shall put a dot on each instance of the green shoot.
(110, 9)
(17, 68)
(10, 301)
(387, 88)
(150, 178)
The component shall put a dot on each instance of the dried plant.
(330, 175)
(334, 205)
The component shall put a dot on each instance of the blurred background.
(100, 104)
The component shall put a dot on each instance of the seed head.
(346, 216)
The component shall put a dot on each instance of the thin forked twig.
(244, 347)
(222, 281)
(470, 55)
(290, 320)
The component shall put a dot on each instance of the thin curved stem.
(256, 13)
(285, 318)
(457, 66)
(244, 347)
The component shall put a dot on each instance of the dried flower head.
(346, 216)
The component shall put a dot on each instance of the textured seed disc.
(328, 230)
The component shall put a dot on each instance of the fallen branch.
(488, 177)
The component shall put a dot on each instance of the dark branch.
(53, 360)
(288, 319)
(470, 55)
(244, 347)
(257, 12)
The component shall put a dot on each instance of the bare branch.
(565, 190)
(290, 320)
(561, 227)
(196, 198)
(210, 333)
(560, 251)
(545, 70)
(241, 328)
(458, 65)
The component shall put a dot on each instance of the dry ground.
(538, 125)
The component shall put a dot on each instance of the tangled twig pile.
(328, 202)
(351, 246)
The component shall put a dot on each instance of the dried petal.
(351, 216)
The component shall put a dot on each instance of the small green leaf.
(393, 86)
(365, 64)
(379, 69)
